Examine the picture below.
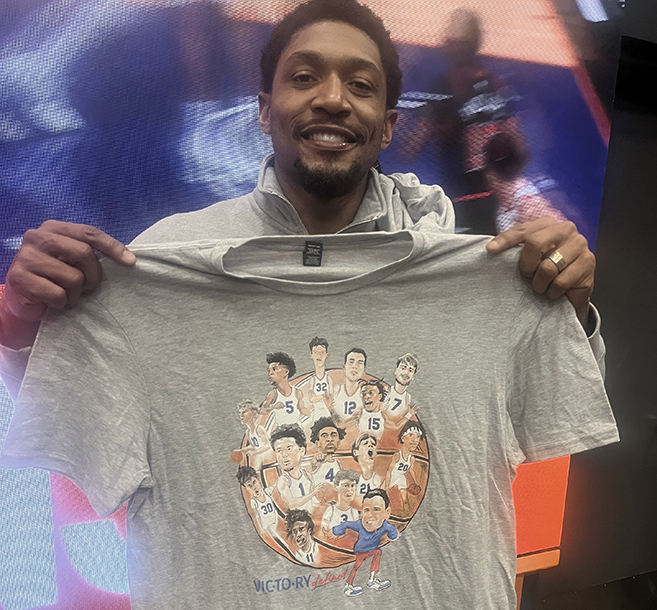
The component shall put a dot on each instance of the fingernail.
(128, 257)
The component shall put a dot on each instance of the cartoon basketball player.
(257, 439)
(372, 528)
(321, 386)
(402, 463)
(295, 485)
(284, 404)
(346, 399)
(326, 435)
(398, 401)
(262, 503)
(363, 450)
(300, 527)
(345, 482)
(373, 419)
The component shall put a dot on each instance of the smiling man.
(330, 84)
(157, 431)
(372, 529)
(328, 119)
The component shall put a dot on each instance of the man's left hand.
(540, 238)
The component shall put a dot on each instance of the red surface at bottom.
(539, 494)
(70, 505)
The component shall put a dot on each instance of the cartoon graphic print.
(334, 463)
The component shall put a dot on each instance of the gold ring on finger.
(557, 258)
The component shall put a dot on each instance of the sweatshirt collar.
(271, 201)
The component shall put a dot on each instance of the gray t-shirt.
(133, 394)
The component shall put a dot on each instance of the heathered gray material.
(143, 408)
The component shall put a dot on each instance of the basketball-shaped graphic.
(322, 449)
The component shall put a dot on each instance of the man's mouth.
(329, 135)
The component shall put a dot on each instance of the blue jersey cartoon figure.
(371, 528)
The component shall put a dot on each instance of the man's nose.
(331, 96)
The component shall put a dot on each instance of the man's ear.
(388, 126)
(264, 105)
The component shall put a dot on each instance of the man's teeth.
(327, 137)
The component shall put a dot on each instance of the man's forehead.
(317, 43)
(374, 502)
(285, 440)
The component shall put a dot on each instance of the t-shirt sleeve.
(83, 410)
(556, 396)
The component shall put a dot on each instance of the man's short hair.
(410, 360)
(251, 405)
(345, 11)
(373, 493)
(245, 474)
(411, 426)
(288, 431)
(378, 384)
(296, 515)
(318, 341)
(359, 441)
(325, 422)
(346, 475)
(356, 350)
(283, 359)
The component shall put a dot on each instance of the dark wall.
(610, 526)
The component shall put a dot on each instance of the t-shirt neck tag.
(312, 254)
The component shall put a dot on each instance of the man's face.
(371, 397)
(277, 373)
(411, 440)
(346, 489)
(254, 487)
(246, 415)
(374, 513)
(404, 373)
(366, 451)
(328, 440)
(327, 112)
(354, 366)
(288, 453)
(319, 355)
(301, 534)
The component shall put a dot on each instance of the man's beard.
(326, 182)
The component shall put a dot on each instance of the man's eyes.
(303, 78)
(361, 86)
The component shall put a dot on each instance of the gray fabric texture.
(391, 203)
(143, 408)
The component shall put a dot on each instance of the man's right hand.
(54, 266)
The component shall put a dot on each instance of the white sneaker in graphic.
(351, 591)
(378, 585)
